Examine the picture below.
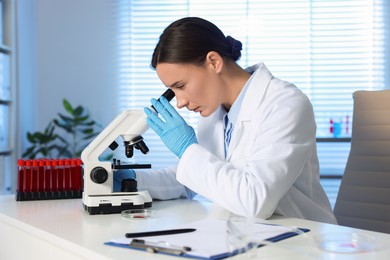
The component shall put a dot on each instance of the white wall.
(26, 71)
(64, 52)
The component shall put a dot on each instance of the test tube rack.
(46, 179)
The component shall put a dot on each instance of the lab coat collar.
(252, 100)
(256, 91)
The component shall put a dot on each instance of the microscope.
(98, 195)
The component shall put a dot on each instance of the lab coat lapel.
(252, 100)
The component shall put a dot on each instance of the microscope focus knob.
(99, 175)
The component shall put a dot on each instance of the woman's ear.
(214, 61)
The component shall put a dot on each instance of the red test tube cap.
(21, 162)
(79, 162)
(60, 162)
(53, 162)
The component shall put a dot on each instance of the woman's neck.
(234, 78)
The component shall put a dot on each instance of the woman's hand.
(176, 134)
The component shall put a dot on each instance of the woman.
(255, 151)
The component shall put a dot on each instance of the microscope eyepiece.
(168, 94)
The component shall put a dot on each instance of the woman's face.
(196, 87)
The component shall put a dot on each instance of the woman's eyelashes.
(180, 86)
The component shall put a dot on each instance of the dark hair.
(189, 39)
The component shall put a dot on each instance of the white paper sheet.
(210, 237)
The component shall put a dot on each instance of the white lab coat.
(271, 164)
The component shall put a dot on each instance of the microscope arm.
(129, 124)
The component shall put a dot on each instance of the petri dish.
(346, 242)
(138, 214)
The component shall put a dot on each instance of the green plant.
(76, 123)
(45, 143)
(79, 125)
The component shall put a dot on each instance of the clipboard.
(207, 242)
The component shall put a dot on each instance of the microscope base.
(108, 209)
(116, 203)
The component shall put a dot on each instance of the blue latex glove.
(176, 134)
(120, 175)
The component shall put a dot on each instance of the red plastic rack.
(45, 179)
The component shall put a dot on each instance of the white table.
(61, 229)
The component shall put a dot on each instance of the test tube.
(54, 176)
(78, 175)
(48, 177)
(27, 177)
(34, 176)
(21, 168)
(60, 175)
(67, 174)
(41, 175)
(73, 181)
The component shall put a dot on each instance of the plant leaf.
(81, 119)
(28, 152)
(68, 107)
(68, 128)
(31, 138)
(87, 131)
(78, 111)
(64, 118)
(90, 123)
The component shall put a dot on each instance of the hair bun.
(235, 47)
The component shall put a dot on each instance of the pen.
(160, 232)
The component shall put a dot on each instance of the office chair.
(363, 200)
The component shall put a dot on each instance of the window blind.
(328, 49)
